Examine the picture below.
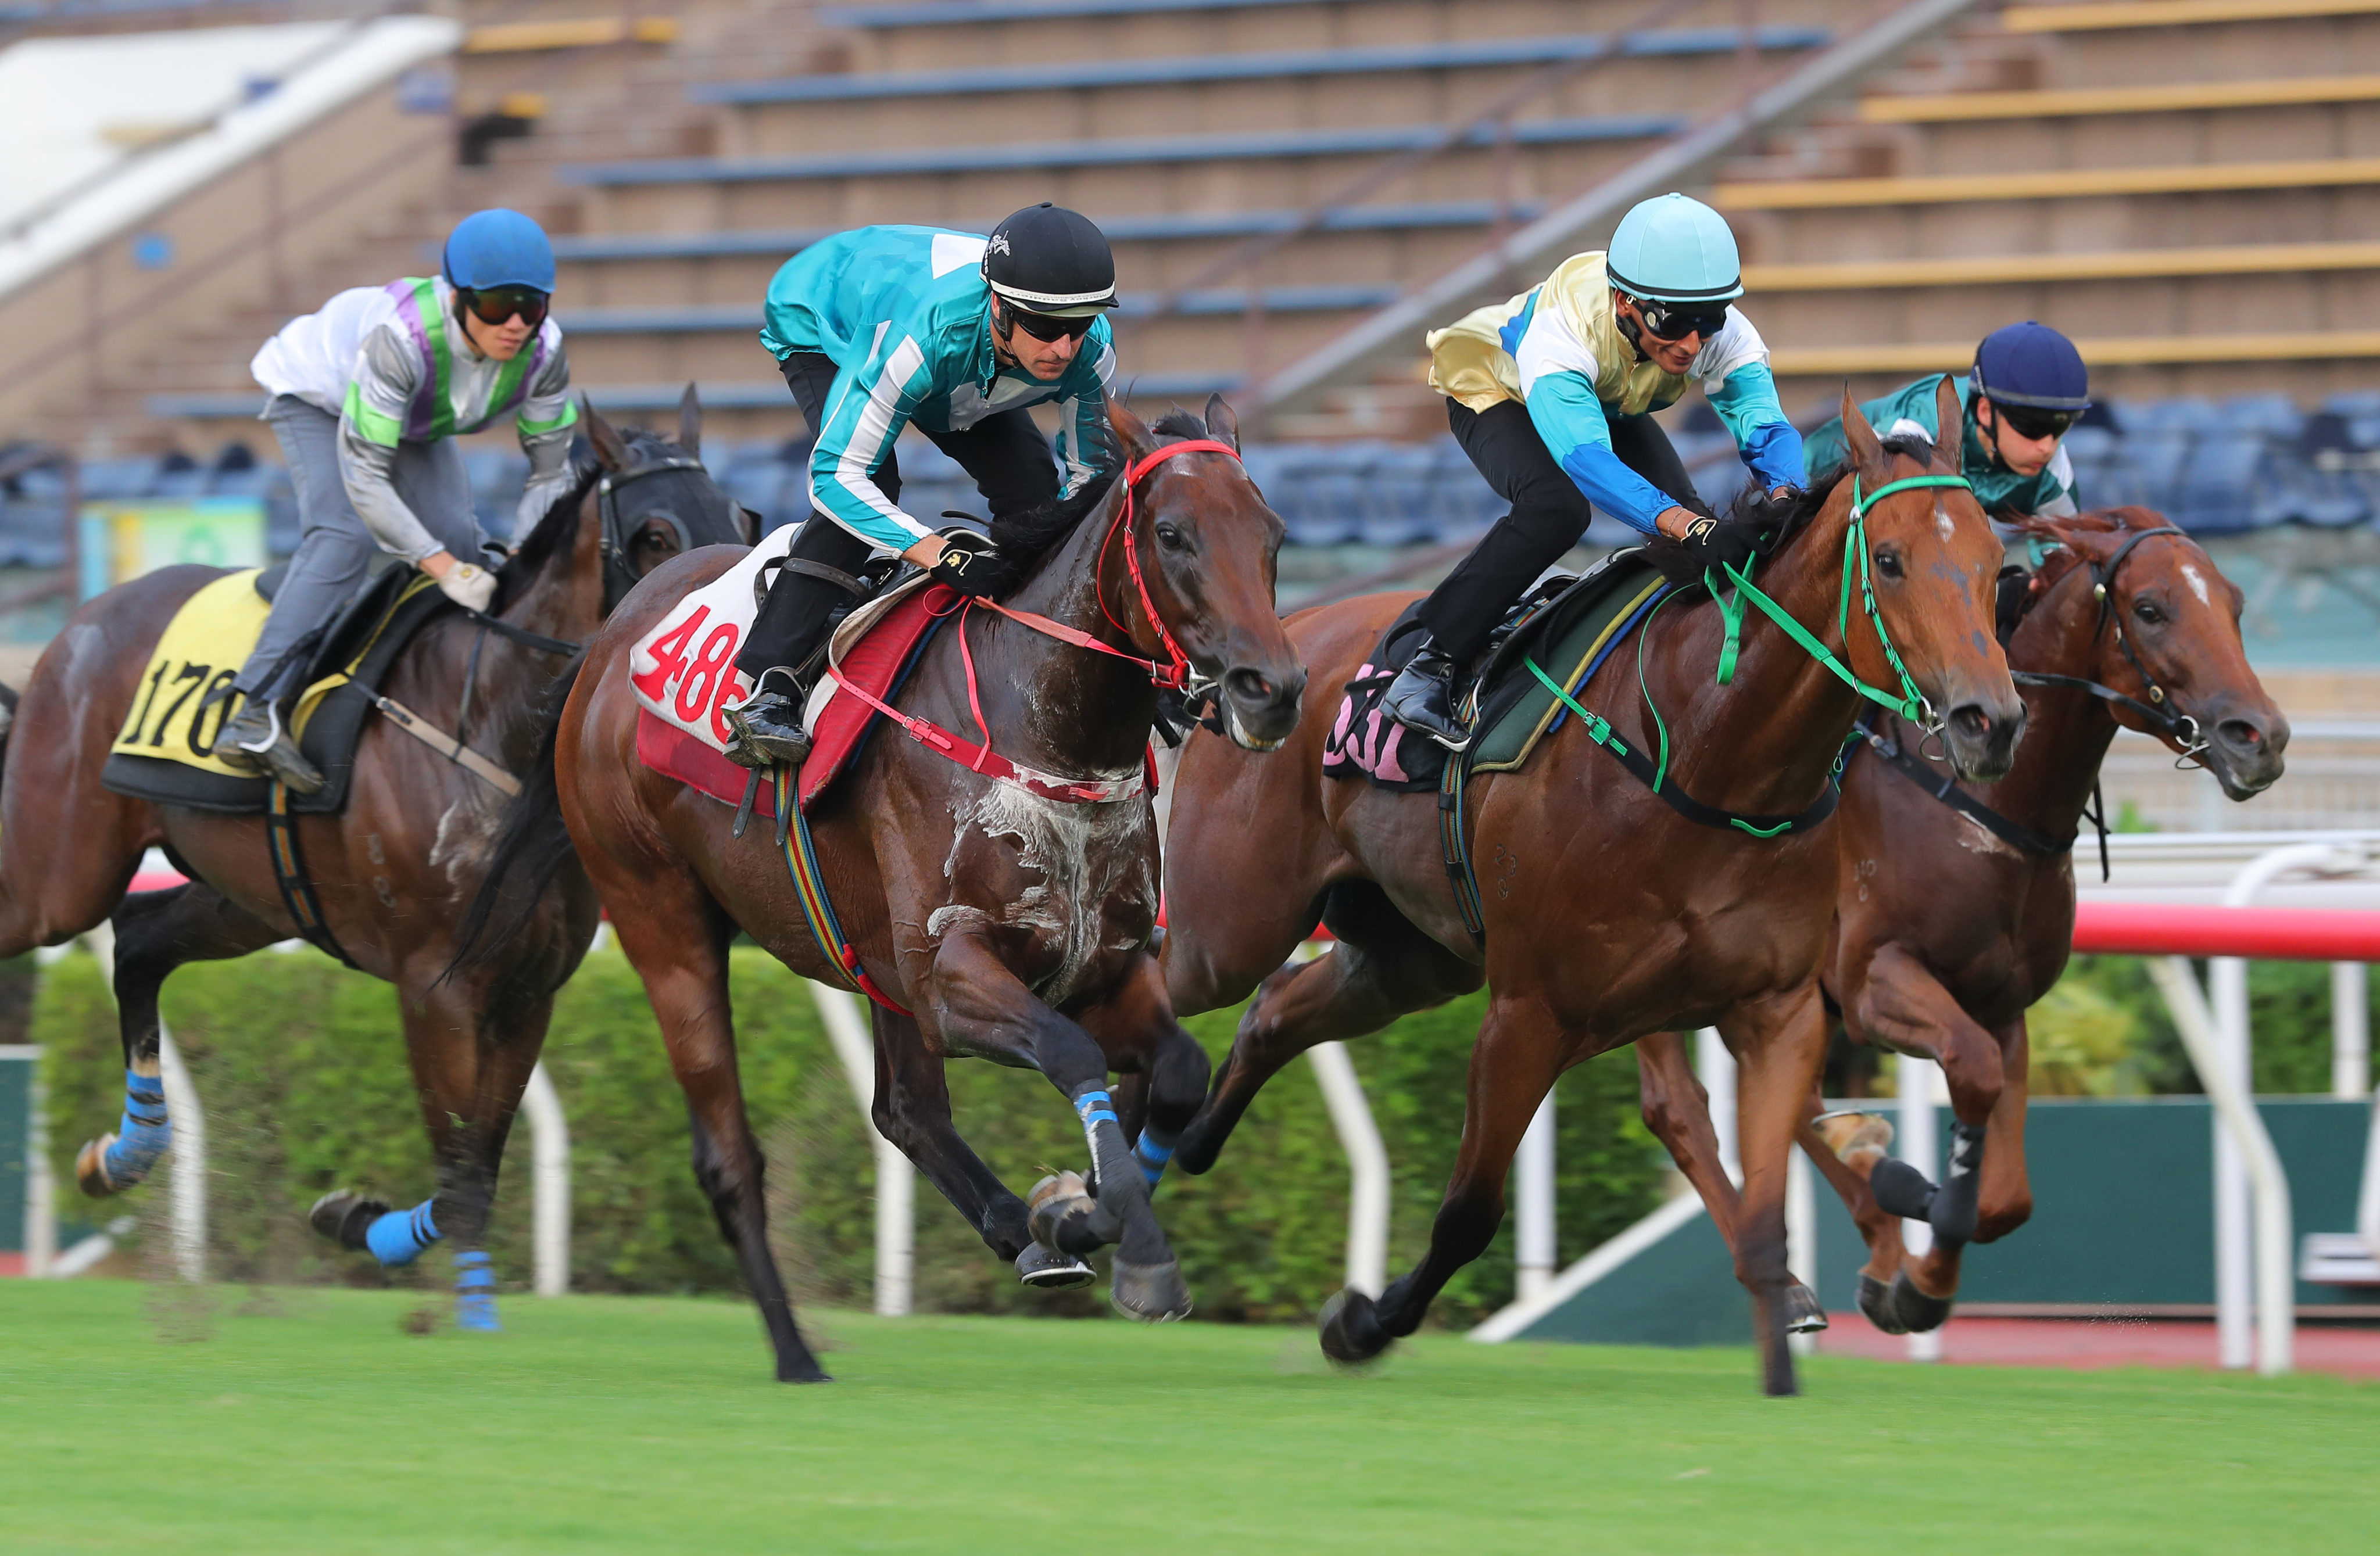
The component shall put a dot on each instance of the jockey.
(2028, 385)
(881, 328)
(368, 396)
(1552, 394)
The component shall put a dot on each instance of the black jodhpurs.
(1005, 453)
(1549, 513)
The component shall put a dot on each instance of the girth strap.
(289, 874)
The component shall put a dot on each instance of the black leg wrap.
(1151, 1293)
(1952, 1214)
(1802, 1314)
(1875, 1301)
(1900, 1189)
(1062, 1216)
(1351, 1331)
(344, 1217)
(1919, 1313)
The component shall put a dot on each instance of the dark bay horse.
(1946, 930)
(1608, 915)
(393, 872)
(1014, 926)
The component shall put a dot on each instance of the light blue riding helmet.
(1674, 249)
(499, 248)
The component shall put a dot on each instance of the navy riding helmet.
(2033, 365)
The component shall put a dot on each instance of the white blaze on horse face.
(2197, 583)
(1086, 855)
(1942, 525)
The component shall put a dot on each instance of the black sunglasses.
(496, 304)
(2033, 421)
(1675, 322)
(1041, 327)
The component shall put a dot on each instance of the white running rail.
(549, 1135)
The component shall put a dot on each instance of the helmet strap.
(1629, 326)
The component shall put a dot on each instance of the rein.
(1173, 674)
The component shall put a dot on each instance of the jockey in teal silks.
(369, 394)
(956, 335)
(2027, 388)
(1552, 394)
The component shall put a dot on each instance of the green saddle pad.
(1569, 639)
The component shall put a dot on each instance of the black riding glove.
(965, 563)
(1717, 547)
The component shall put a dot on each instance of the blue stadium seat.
(114, 480)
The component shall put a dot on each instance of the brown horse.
(1608, 915)
(1015, 927)
(394, 872)
(1949, 924)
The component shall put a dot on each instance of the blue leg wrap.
(144, 1134)
(1152, 1156)
(399, 1237)
(475, 1293)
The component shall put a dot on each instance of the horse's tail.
(531, 847)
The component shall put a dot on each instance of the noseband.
(2158, 711)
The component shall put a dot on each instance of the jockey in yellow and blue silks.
(1552, 394)
(956, 335)
(2027, 387)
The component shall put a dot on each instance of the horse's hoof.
(1044, 1270)
(1802, 1314)
(1351, 1329)
(1061, 1214)
(1875, 1301)
(344, 1217)
(1151, 1293)
(91, 1168)
(1919, 1313)
(803, 1371)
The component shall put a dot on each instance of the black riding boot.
(1422, 697)
(254, 740)
(768, 726)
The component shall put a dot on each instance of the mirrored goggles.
(2033, 421)
(1675, 322)
(495, 305)
(1041, 327)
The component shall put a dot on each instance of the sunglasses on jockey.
(1675, 322)
(1042, 327)
(2034, 421)
(495, 305)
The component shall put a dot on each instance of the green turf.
(313, 1423)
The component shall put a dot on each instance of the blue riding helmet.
(2031, 363)
(499, 248)
(1674, 249)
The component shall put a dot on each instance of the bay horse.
(393, 872)
(1608, 915)
(1951, 922)
(1003, 925)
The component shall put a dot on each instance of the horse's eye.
(1171, 538)
(1887, 561)
(2147, 613)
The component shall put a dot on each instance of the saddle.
(164, 752)
(1569, 624)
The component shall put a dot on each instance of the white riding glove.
(469, 585)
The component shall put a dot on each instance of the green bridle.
(1911, 703)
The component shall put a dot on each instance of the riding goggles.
(1675, 322)
(2033, 421)
(1042, 327)
(495, 305)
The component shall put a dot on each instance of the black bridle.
(617, 579)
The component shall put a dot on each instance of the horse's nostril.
(1971, 720)
(1248, 686)
(2240, 734)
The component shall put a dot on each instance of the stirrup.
(757, 745)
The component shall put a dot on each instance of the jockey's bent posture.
(2027, 387)
(1552, 394)
(883, 327)
(368, 396)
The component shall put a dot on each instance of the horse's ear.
(611, 449)
(689, 421)
(1222, 425)
(1949, 418)
(1865, 448)
(1132, 434)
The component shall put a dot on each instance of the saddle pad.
(889, 636)
(1364, 741)
(163, 752)
(1518, 710)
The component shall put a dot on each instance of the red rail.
(2266, 933)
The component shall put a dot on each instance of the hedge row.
(301, 1066)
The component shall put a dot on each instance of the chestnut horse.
(1947, 927)
(1608, 915)
(1008, 926)
(394, 871)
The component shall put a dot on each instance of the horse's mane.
(2074, 539)
(556, 529)
(1773, 522)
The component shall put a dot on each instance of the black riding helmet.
(1050, 260)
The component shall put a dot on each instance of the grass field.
(308, 1420)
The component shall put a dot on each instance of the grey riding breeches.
(335, 550)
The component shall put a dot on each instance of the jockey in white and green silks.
(369, 394)
(2027, 388)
